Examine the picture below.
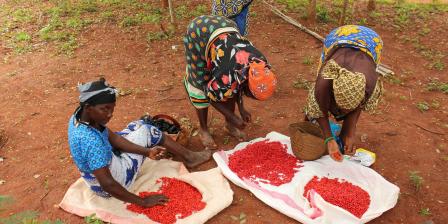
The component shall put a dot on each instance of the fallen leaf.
(195, 133)
(36, 176)
(242, 215)
(364, 138)
(226, 140)
(234, 218)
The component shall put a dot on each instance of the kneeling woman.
(222, 65)
(346, 84)
(109, 162)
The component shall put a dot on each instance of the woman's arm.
(322, 92)
(124, 145)
(112, 187)
(247, 117)
(348, 131)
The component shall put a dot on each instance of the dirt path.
(39, 95)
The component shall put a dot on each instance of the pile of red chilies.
(340, 193)
(268, 161)
(184, 199)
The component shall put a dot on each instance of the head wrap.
(96, 92)
(353, 36)
(262, 81)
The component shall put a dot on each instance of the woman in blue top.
(109, 162)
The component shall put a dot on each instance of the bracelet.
(328, 139)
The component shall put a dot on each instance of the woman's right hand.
(157, 153)
(152, 200)
(333, 150)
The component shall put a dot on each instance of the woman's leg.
(230, 105)
(190, 158)
(204, 134)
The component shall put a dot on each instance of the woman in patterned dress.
(222, 65)
(347, 83)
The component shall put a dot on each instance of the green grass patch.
(139, 19)
(323, 15)
(435, 85)
(92, 219)
(183, 12)
(22, 36)
(438, 65)
(424, 212)
(422, 106)
(69, 46)
(294, 5)
(22, 15)
(155, 36)
(416, 180)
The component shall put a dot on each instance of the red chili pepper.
(265, 162)
(340, 193)
(184, 200)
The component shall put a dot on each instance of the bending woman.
(222, 66)
(109, 162)
(347, 83)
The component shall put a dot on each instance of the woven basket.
(182, 137)
(306, 141)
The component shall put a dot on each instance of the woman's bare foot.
(207, 140)
(197, 158)
(235, 132)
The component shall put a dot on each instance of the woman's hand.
(152, 200)
(157, 153)
(333, 150)
(349, 147)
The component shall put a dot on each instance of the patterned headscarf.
(96, 92)
(353, 36)
(262, 81)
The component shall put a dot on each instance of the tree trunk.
(165, 4)
(371, 6)
(312, 11)
(344, 13)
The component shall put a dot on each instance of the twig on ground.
(428, 130)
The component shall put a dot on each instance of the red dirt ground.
(38, 100)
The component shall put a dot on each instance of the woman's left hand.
(157, 153)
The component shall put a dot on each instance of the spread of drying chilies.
(266, 162)
(184, 200)
(340, 193)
